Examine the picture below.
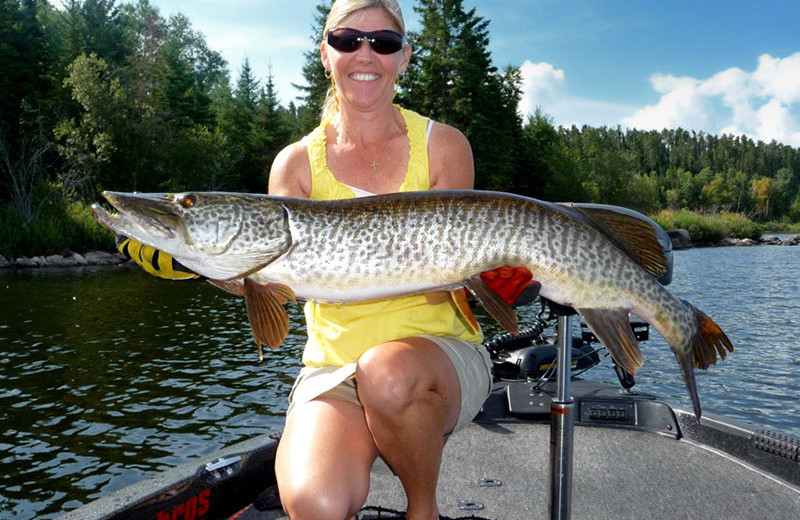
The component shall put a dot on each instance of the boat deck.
(618, 473)
(650, 462)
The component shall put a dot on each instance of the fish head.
(221, 236)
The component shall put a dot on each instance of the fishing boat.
(633, 456)
(546, 444)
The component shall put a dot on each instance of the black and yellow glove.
(154, 261)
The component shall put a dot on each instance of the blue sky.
(714, 66)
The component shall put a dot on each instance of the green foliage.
(549, 169)
(24, 59)
(708, 229)
(452, 79)
(101, 94)
(782, 226)
(690, 170)
(256, 129)
(62, 228)
(316, 88)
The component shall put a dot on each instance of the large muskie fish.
(271, 249)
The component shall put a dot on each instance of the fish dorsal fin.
(268, 319)
(636, 237)
(459, 297)
(613, 328)
(493, 303)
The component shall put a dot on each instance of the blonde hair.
(340, 10)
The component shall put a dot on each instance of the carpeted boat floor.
(618, 474)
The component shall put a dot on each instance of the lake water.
(108, 375)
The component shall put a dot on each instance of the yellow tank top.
(340, 334)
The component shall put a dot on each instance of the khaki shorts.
(471, 361)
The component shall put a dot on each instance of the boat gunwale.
(729, 438)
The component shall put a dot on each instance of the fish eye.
(187, 201)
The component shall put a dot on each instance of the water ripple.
(135, 375)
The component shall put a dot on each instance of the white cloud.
(779, 77)
(682, 104)
(775, 121)
(762, 103)
(759, 103)
(542, 86)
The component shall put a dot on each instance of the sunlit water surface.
(109, 375)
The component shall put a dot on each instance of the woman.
(389, 378)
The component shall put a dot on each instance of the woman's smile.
(367, 77)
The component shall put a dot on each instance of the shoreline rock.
(681, 240)
(59, 261)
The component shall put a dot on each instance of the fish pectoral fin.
(459, 297)
(613, 328)
(268, 319)
(284, 291)
(493, 303)
(233, 287)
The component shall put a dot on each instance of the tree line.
(101, 95)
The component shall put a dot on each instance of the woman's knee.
(394, 375)
(312, 479)
(312, 503)
(307, 493)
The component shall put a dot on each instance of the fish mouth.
(139, 215)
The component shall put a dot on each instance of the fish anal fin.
(633, 235)
(493, 303)
(233, 287)
(613, 328)
(459, 298)
(268, 319)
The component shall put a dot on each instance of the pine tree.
(550, 170)
(452, 79)
(96, 26)
(24, 55)
(317, 84)
(272, 130)
(238, 125)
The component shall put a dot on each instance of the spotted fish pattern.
(390, 245)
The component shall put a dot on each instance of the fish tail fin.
(687, 371)
(709, 340)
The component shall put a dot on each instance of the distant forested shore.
(103, 95)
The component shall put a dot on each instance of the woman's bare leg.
(412, 398)
(324, 460)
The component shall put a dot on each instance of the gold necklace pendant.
(373, 163)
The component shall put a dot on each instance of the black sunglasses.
(349, 40)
